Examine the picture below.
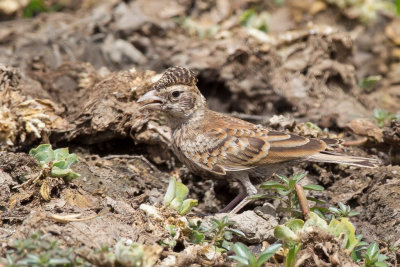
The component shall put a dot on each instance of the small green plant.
(34, 7)
(196, 236)
(290, 259)
(222, 233)
(292, 231)
(197, 28)
(176, 195)
(369, 82)
(372, 257)
(40, 250)
(245, 258)
(383, 117)
(287, 193)
(313, 126)
(126, 253)
(398, 7)
(54, 164)
(357, 253)
(366, 10)
(39, 6)
(171, 241)
(342, 211)
(58, 161)
(251, 19)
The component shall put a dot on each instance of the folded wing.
(238, 149)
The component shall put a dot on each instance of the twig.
(33, 179)
(302, 201)
(132, 157)
(71, 217)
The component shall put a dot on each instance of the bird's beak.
(150, 100)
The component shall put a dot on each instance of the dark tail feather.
(332, 157)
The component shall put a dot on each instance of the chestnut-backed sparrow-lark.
(217, 145)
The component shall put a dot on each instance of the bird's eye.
(176, 94)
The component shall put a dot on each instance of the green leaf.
(181, 191)
(313, 126)
(370, 81)
(171, 229)
(382, 257)
(59, 261)
(268, 253)
(295, 224)
(346, 230)
(256, 196)
(353, 213)
(381, 264)
(241, 250)
(372, 250)
(272, 185)
(315, 220)
(237, 232)
(292, 182)
(291, 257)
(342, 206)
(283, 178)
(176, 203)
(241, 260)
(284, 192)
(252, 260)
(34, 7)
(362, 243)
(284, 233)
(316, 200)
(72, 175)
(228, 235)
(170, 194)
(61, 153)
(334, 210)
(187, 205)
(196, 237)
(43, 153)
(62, 164)
(299, 176)
(40, 148)
(398, 7)
(313, 187)
(71, 159)
(226, 245)
(64, 173)
(247, 16)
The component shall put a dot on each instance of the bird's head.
(175, 94)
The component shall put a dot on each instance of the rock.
(5, 182)
(120, 207)
(255, 227)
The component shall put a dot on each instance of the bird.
(219, 146)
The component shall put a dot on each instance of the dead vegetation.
(72, 78)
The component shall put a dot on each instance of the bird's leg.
(249, 191)
(242, 195)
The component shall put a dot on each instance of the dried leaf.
(45, 191)
(366, 127)
(76, 199)
(18, 197)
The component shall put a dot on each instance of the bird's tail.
(331, 157)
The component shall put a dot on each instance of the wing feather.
(242, 146)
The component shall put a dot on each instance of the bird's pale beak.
(150, 100)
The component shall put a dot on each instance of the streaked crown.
(176, 76)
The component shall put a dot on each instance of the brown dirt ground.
(79, 73)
